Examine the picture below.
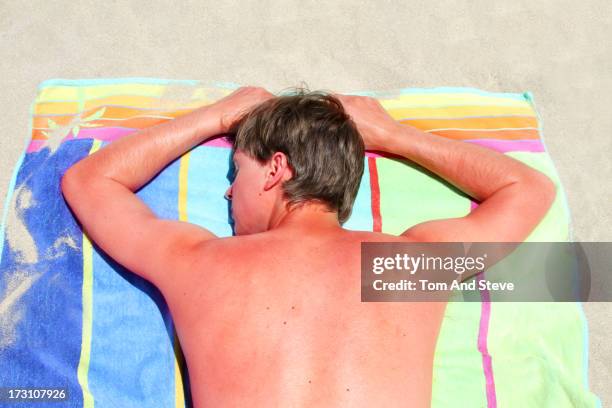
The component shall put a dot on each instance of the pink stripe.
(483, 333)
(108, 134)
(218, 142)
(34, 146)
(503, 146)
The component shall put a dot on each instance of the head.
(290, 151)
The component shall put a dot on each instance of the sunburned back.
(274, 320)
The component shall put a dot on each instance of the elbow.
(542, 190)
(548, 190)
(69, 183)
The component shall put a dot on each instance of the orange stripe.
(127, 114)
(135, 101)
(496, 134)
(111, 112)
(137, 123)
(526, 134)
(424, 125)
(474, 123)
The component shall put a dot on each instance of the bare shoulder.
(210, 257)
(369, 236)
(205, 263)
(208, 263)
(222, 252)
(218, 251)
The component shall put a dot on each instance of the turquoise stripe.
(439, 90)
(135, 80)
(207, 181)
(561, 188)
(585, 325)
(233, 85)
(7, 200)
(132, 360)
(11, 187)
(132, 355)
(361, 216)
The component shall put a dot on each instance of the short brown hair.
(321, 142)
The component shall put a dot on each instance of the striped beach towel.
(71, 317)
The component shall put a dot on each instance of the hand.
(233, 106)
(372, 120)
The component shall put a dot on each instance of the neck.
(309, 216)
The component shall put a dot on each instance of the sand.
(558, 50)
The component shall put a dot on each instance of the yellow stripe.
(182, 199)
(458, 111)
(82, 99)
(87, 294)
(57, 92)
(70, 93)
(182, 210)
(424, 100)
(179, 395)
(132, 101)
(398, 111)
(99, 91)
(54, 100)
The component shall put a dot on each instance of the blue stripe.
(161, 196)
(207, 180)
(7, 200)
(132, 356)
(11, 187)
(361, 217)
(209, 177)
(47, 337)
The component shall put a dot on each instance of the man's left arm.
(100, 190)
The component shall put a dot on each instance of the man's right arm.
(513, 197)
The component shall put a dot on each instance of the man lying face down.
(273, 315)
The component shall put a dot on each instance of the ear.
(277, 170)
